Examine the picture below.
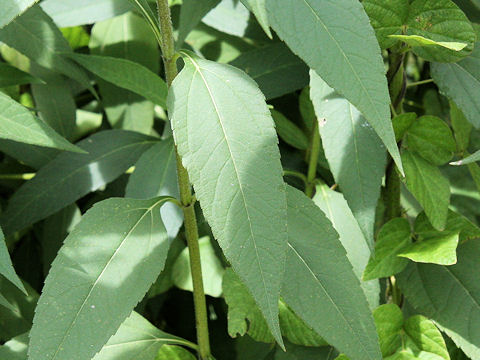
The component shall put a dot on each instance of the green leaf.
(70, 176)
(6, 267)
(336, 209)
(137, 339)
(426, 336)
(289, 132)
(350, 60)
(127, 37)
(18, 124)
(10, 76)
(354, 152)
(449, 295)
(403, 122)
(229, 16)
(156, 174)
(258, 8)
(149, 15)
(35, 35)
(90, 290)
(191, 13)
(212, 269)
(76, 36)
(172, 352)
(320, 285)
(432, 139)
(459, 81)
(227, 141)
(468, 160)
(295, 352)
(392, 239)
(417, 40)
(15, 349)
(429, 186)
(13, 8)
(461, 127)
(389, 324)
(437, 250)
(275, 68)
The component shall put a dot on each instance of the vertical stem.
(191, 229)
(313, 160)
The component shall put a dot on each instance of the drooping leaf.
(350, 60)
(449, 295)
(227, 141)
(126, 74)
(18, 124)
(155, 175)
(6, 267)
(440, 249)
(289, 132)
(172, 352)
(102, 271)
(336, 209)
(70, 176)
(258, 8)
(275, 68)
(432, 139)
(137, 339)
(429, 186)
(392, 239)
(15, 349)
(354, 152)
(12, 9)
(10, 75)
(191, 13)
(460, 81)
(320, 285)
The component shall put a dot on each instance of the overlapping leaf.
(10, 75)
(13, 8)
(6, 267)
(191, 14)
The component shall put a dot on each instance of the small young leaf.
(6, 267)
(289, 132)
(389, 322)
(91, 289)
(417, 40)
(440, 249)
(392, 239)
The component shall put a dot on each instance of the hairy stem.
(187, 200)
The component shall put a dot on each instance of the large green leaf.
(449, 295)
(70, 176)
(258, 8)
(10, 75)
(336, 209)
(137, 339)
(35, 35)
(320, 285)
(191, 13)
(354, 152)
(126, 37)
(102, 271)
(18, 124)
(126, 74)
(337, 41)
(275, 68)
(429, 186)
(6, 267)
(227, 141)
(13, 8)
(460, 82)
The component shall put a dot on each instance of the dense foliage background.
(333, 162)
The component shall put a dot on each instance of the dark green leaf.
(191, 13)
(15, 349)
(461, 127)
(10, 75)
(6, 267)
(91, 289)
(295, 352)
(402, 122)
(289, 132)
(469, 159)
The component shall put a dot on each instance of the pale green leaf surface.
(137, 339)
(437, 250)
(15, 349)
(461, 82)
(336, 209)
(401, 124)
(350, 60)
(389, 323)
(429, 186)
(17, 123)
(289, 132)
(70, 176)
(449, 295)
(191, 13)
(426, 336)
(469, 159)
(392, 239)
(212, 269)
(10, 75)
(12, 9)
(172, 352)
(275, 68)
(432, 139)
(354, 152)
(6, 267)
(227, 141)
(102, 271)
(417, 40)
(258, 8)
(320, 285)
(229, 16)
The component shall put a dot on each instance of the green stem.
(296, 174)
(313, 160)
(191, 229)
(422, 82)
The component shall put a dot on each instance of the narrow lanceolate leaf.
(126, 74)
(460, 81)
(13, 8)
(417, 40)
(6, 267)
(336, 40)
(19, 124)
(320, 285)
(191, 13)
(258, 8)
(137, 339)
(10, 75)
(469, 159)
(70, 176)
(227, 141)
(354, 152)
(449, 295)
(102, 271)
